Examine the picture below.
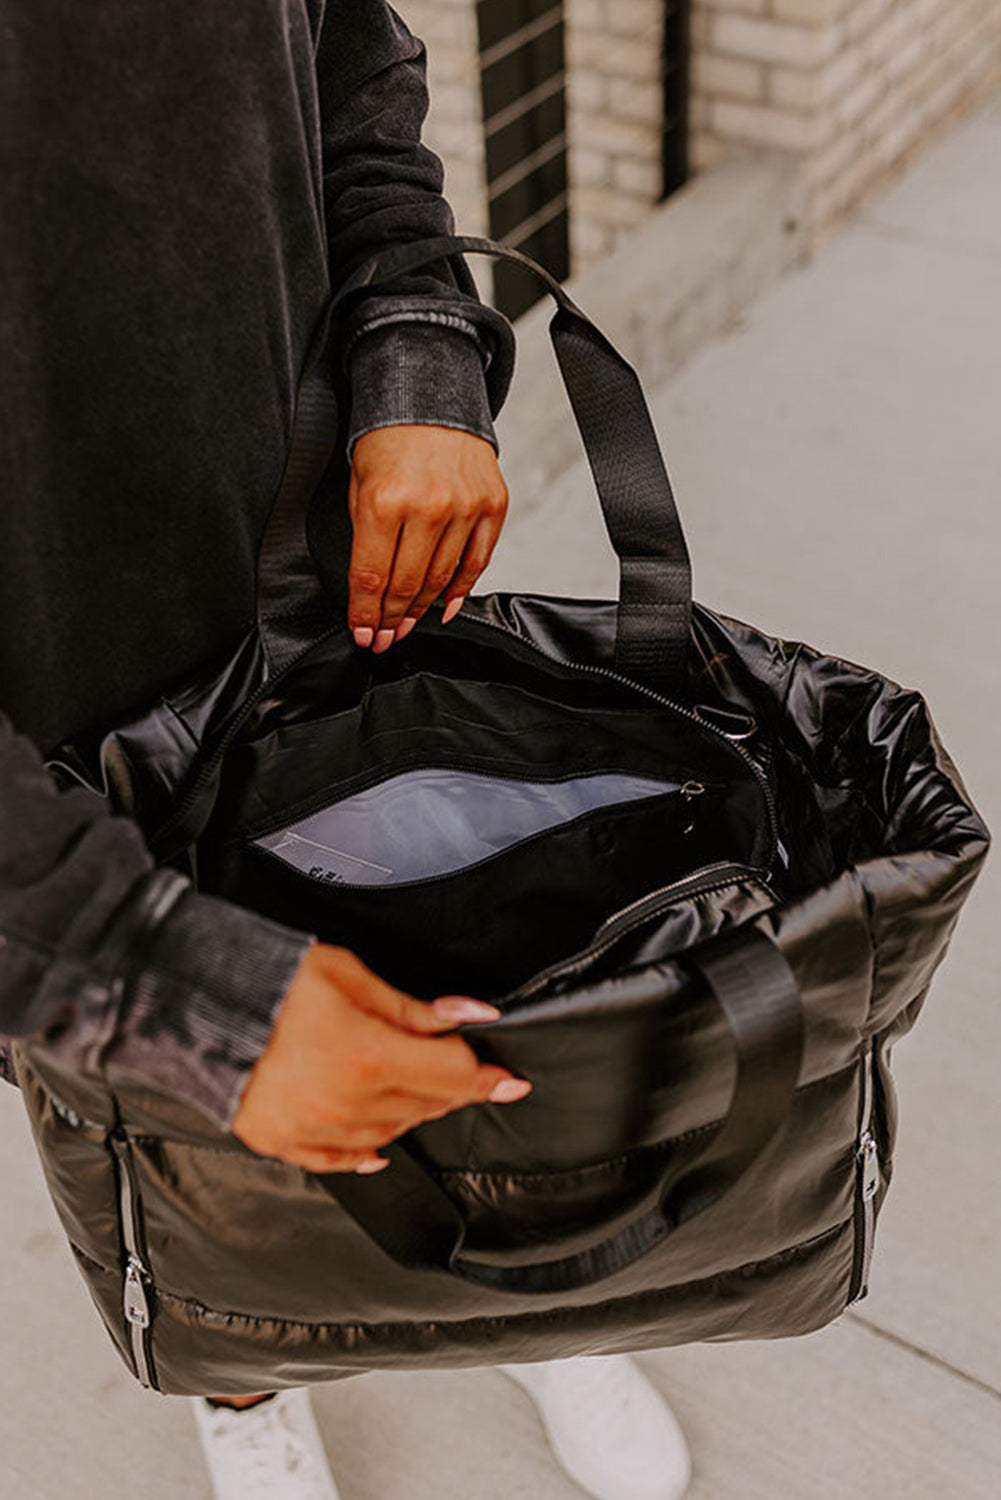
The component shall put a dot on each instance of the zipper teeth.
(653, 897)
(426, 880)
(710, 880)
(137, 1274)
(866, 1156)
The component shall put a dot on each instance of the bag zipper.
(637, 687)
(208, 766)
(135, 1300)
(699, 883)
(867, 1185)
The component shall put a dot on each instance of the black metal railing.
(523, 84)
(523, 87)
(675, 67)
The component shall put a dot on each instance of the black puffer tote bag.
(706, 875)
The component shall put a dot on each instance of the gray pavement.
(838, 459)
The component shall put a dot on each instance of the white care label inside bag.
(431, 822)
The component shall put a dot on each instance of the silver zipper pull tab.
(870, 1168)
(689, 792)
(136, 1306)
(868, 1160)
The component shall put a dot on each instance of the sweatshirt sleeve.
(105, 957)
(429, 351)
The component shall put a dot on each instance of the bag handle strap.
(637, 501)
(294, 609)
(411, 1217)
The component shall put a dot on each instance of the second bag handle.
(407, 1212)
(637, 501)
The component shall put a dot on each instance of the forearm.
(105, 957)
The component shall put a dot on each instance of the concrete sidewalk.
(838, 460)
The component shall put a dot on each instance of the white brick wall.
(851, 86)
(614, 119)
(614, 113)
(455, 123)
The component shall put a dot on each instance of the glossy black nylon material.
(633, 1061)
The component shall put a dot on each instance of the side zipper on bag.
(867, 1181)
(138, 1283)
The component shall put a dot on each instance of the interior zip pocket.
(436, 821)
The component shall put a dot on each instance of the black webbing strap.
(411, 1217)
(637, 501)
(292, 606)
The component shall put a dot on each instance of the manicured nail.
(374, 1164)
(452, 609)
(364, 636)
(383, 640)
(465, 1010)
(510, 1089)
(405, 627)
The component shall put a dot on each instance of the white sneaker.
(268, 1452)
(609, 1428)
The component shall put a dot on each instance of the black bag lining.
(485, 927)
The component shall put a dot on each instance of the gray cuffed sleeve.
(428, 373)
(383, 187)
(199, 1010)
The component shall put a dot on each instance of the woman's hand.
(352, 1063)
(427, 505)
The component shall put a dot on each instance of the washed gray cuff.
(199, 1011)
(429, 372)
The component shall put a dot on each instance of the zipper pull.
(870, 1167)
(690, 791)
(136, 1306)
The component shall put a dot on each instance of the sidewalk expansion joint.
(925, 1354)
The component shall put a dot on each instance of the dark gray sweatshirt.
(182, 186)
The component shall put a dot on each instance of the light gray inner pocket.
(430, 822)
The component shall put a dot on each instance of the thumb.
(372, 994)
(427, 1017)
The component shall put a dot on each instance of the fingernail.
(465, 1010)
(452, 609)
(405, 627)
(510, 1089)
(363, 636)
(374, 1164)
(383, 640)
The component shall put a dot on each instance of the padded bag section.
(435, 821)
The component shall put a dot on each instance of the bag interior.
(459, 836)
